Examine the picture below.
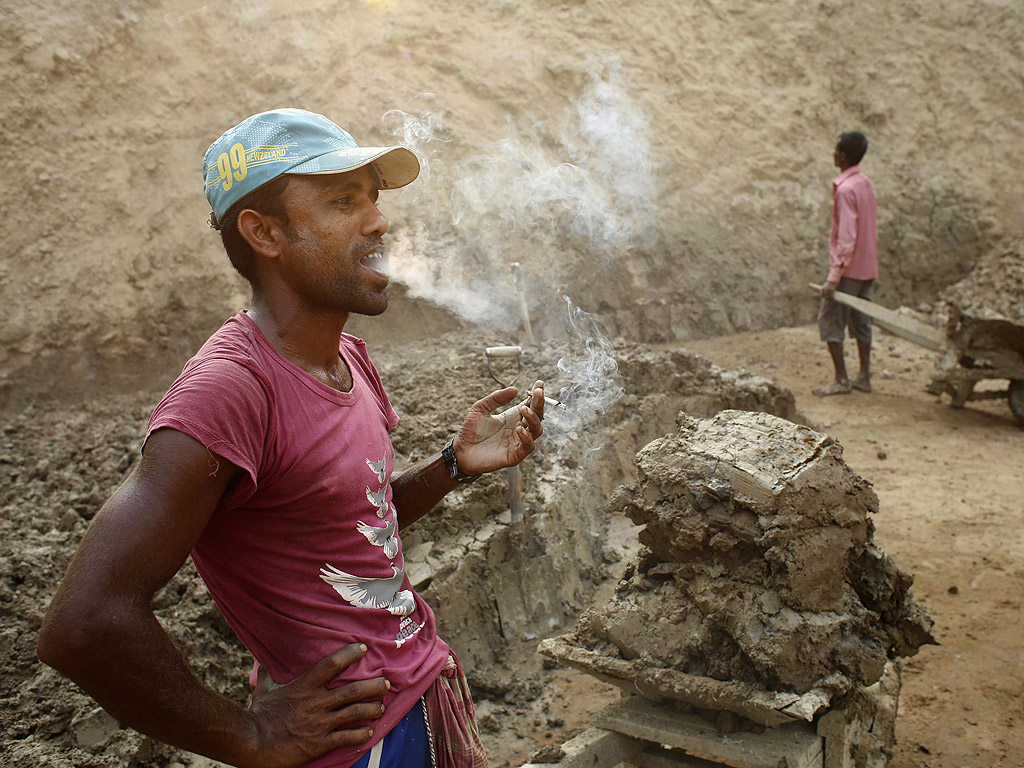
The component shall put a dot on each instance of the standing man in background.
(853, 265)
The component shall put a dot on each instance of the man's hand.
(488, 442)
(828, 290)
(304, 719)
(485, 443)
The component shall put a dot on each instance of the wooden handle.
(503, 351)
(925, 334)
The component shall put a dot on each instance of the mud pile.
(985, 310)
(495, 587)
(758, 567)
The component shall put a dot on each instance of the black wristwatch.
(452, 464)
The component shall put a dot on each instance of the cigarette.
(548, 400)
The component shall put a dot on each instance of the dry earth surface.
(109, 274)
(651, 159)
(496, 586)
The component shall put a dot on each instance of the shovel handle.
(503, 351)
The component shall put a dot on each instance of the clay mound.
(758, 567)
(984, 310)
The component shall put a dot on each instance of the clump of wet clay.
(984, 311)
(758, 565)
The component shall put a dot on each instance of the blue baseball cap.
(270, 144)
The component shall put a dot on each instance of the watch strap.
(452, 464)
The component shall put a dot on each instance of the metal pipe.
(515, 494)
(523, 309)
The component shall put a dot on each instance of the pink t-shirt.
(853, 242)
(302, 555)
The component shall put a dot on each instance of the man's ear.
(264, 234)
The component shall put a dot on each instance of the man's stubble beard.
(360, 302)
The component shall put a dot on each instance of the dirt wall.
(702, 131)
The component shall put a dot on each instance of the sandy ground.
(950, 484)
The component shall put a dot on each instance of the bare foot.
(862, 384)
(833, 388)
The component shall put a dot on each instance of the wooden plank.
(1001, 363)
(795, 745)
(988, 394)
(906, 327)
(595, 748)
(949, 379)
(656, 683)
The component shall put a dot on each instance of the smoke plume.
(559, 197)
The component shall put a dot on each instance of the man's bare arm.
(101, 632)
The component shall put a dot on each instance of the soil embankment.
(668, 167)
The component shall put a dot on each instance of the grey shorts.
(834, 318)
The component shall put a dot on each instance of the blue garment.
(406, 745)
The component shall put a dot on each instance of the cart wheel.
(1016, 397)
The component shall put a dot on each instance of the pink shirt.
(302, 555)
(853, 243)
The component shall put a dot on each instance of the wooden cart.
(961, 365)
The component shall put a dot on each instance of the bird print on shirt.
(377, 499)
(379, 468)
(371, 593)
(378, 593)
(381, 537)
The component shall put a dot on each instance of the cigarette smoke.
(588, 382)
(560, 199)
(557, 198)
